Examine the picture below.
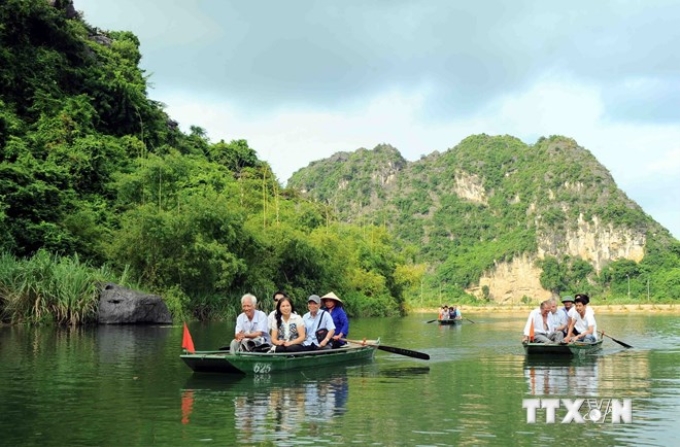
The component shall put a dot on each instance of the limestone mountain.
(502, 219)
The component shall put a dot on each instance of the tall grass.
(49, 288)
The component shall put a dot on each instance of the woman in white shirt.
(288, 332)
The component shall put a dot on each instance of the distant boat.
(561, 349)
(449, 322)
(249, 363)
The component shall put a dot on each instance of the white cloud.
(668, 165)
(309, 79)
(291, 139)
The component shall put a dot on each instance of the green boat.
(253, 363)
(561, 349)
(449, 322)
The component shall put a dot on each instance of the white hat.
(331, 296)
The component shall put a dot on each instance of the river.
(126, 386)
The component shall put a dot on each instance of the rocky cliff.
(487, 214)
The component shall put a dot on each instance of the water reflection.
(115, 343)
(555, 376)
(269, 408)
(590, 375)
(122, 386)
(405, 372)
(451, 327)
(284, 408)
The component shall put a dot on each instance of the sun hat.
(332, 296)
(568, 298)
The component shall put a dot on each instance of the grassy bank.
(601, 308)
(48, 289)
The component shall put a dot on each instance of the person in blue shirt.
(319, 326)
(333, 306)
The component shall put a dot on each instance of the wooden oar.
(625, 345)
(470, 320)
(431, 321)
(401, 351)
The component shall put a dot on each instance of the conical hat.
(331, 296)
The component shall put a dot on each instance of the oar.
(401, 351)
(431, 321)
(625, 345)
(470, 320)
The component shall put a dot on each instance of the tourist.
(562, 315)
(334, 306)
(572, 310)
(288, 332)
(539, 326)
(589, 309)
(251, 326)
(272, 315)
(319, 325)
(454, 313)
(556, 322)
(583, 326)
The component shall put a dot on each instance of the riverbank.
(602, 308)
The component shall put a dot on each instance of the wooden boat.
(561, 349)
(449, 322)
(249, 363)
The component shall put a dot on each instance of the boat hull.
(210, 362)
(253, 363)
(449, 322)
(561, 349)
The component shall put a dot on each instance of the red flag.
(187, 342)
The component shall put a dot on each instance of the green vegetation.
(50, 288)
(98, 184)
(490, 199)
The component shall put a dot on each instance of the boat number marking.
(262, 368)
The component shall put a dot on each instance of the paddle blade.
(431, 321)
(406, 352)
(187, 341)
(395, 350)
(625, 345)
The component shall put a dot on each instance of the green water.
(126, 386)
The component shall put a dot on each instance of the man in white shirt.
(583, 326)
(557, 334)
(540, 325)
(251, 326)
(562, 315)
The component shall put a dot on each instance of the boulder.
(118, 305)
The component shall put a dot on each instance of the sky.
(301, 80)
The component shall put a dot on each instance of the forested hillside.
(98, 182)
(504, 220)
